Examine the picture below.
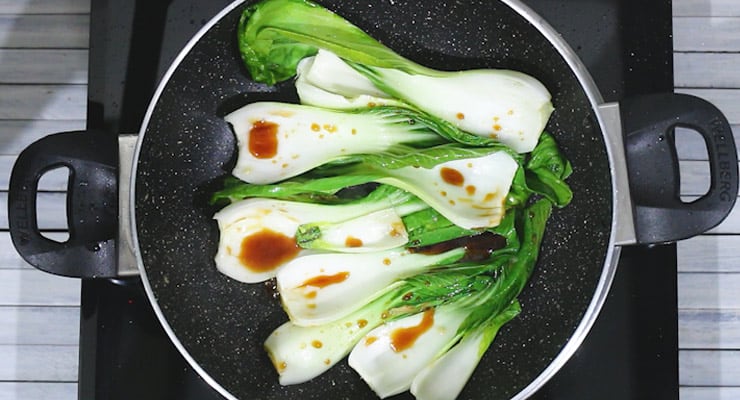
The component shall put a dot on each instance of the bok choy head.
(414, 350)
(300, 353)
(258, 235)
(467, 185)
(274, 36)
(278, 140)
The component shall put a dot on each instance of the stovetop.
(631, 351)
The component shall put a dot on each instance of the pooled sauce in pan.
(403, 338)
(266, 250)
(477, 247)
(263, 140)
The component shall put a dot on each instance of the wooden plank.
(44, 7)
(690, 70)
(54, 180)
(49, 205)
(709, 393)
(38, 390)
(16, 135)
(709, 253)
(709, 367)
(709, 329)
(56, 102)
(694, 177)
(706, 34)
(40, 325)
(9, 257)
(725, 99)
(63, 31)
(31, 287)
(709, 291)
(731, 224)
(38, 363)
(43, 66)
(691, 146)
(706, 8)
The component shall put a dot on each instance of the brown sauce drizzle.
(266, 250)
(403, 338)
(452, 176)
(326, 280)
(477, 247)
(352, 241)
(263, 142)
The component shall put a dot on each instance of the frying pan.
(625, 185)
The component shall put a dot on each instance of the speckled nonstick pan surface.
(187, 147)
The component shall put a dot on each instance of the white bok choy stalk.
(508, 106)
(276, 141)
(276, 35)
(248, 228)
(343, 88)
(322, 288)
(447, 375)
(391, 355)
(301, 353)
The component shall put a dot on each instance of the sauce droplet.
(403, 338)
(326, 280)
(470, 189)
(263, 142)
(370, 340)
(452, 176)
(460, 115)
(352, 241)
(362, 323)
(266, 250)
(317, 344)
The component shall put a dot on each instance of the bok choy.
(468, 185)
(300, 353)
(276, 35)
(258, 235)
(399, 208)
(401, 335)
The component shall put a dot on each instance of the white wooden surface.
(706, 63)
(43, 76)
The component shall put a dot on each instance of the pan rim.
(613, 153)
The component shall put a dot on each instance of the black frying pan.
(185, 149)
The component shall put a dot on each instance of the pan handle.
(92, 201)
(648, 123)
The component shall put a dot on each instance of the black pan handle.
(648, 123)
(92, 204)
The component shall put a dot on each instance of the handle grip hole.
(51, 204)
(693, 163)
